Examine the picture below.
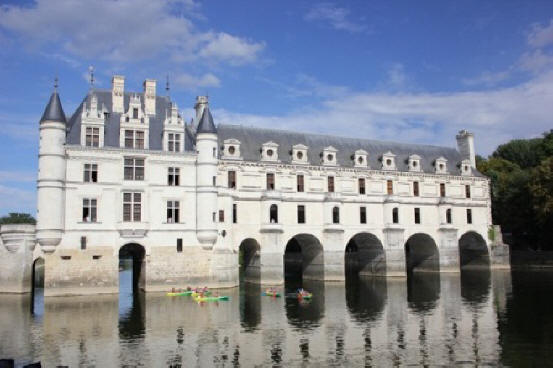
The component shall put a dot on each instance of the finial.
(167, 85)
(91, 77)
(56, 84)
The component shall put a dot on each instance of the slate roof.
(54, 110)
(111, 127)
(251, 139)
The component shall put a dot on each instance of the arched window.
(335, 215)
(448, 216)
(273, 214)
(395, 215)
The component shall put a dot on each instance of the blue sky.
(376, 69)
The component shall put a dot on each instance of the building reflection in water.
(429, 319)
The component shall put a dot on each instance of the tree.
(17, 218)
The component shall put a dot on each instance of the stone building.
(126, 175)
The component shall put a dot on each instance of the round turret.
(51, 175)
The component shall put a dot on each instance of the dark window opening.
(173, 176)
(83, 242)
(330, 181)
(417, 216)
(270, 181)
(273, 214)
(300, 183)
(89, 210)
(467, 191)
(390, 187)
(335, 215)
(395, 215)
(301, 214)
(442, 190)
(361, 185)
(179, 245)
(448, 216)
(231, 179)
(416, 188)
(234, 213)
(469, 216)
(135, 113)
(221, 216)
(363, 215)
(172, 212)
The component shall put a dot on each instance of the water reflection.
(474, 319)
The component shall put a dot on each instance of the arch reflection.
(366, 297)
(250, 306)
(305, 314)
(475, 286)
(423, 291)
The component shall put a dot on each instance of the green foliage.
(17, 218)
(521, 174)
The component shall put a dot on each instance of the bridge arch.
(133, 253)
(249, 260)
(304, 258)
(37, 284)
(364, 255)
(473, 251)
(421, 254)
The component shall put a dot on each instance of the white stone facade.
(189, 210)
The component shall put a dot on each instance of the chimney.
(150, 96)
(465, 146)
(117, 92)
(201, 103)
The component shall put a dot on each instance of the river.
(473, 319)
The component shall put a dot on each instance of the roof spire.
(206, 124)
(56, 84)
(54, 111)
(91, 76)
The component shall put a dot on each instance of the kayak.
(305, 296)
(197, 294)
(182, 293)
(273, 294)
(211, 298)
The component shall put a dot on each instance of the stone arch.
(249, 260)
(421, 254)
(37, 283)
(473, 251)
(136, 253)
(304, 258)
(365, 255)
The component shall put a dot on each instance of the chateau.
(192, 202)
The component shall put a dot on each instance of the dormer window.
(440, 165)
(466, 168)
(299, 154)
(231, 149)
(329, 156)
(414, 163)
(388, 161)
(360, 158)
(135, 113)
(173, 142)
(92, 123)
(269, 151)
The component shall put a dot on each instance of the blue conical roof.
(206, 124)
(54, 111)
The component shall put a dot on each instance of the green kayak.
(182, 293)
(211, 298)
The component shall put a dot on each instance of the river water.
(473, 319)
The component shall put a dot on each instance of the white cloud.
(122, 30)
(189, 81)
(16, 200)
(488, 78)
(541, 36)
(17, 176)
(494, 116)
(337, 17)
(536, 61)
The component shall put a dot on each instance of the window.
(234, 213)
(214, 152)
(221, 216)
(134, 139)
(135, 113)
(173, 142)
(448, 216)
(467, 191)
(416, 188)
(395, 215)
(300, 183)
(90, 173)
(417, 215)
(273, 214)
(134, 168)
(442, 190)
(83, 242)
(330, 182)
(132, 207)
(301, 214)
(469, 216)
(92, 138)
(335, 215)
(361, 185)
(173, 176)
(270, 181)
(232, 179)
(179, 245)
(214, 180)
(390, 187)
(89, 210)
(363, 215)
(172, 212)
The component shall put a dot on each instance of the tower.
(206, 176)
(51, 175)
(465, 146)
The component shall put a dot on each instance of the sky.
(406, 71)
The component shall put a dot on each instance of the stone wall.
(16, 257)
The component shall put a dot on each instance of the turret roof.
(206, 124)
(54, 111)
